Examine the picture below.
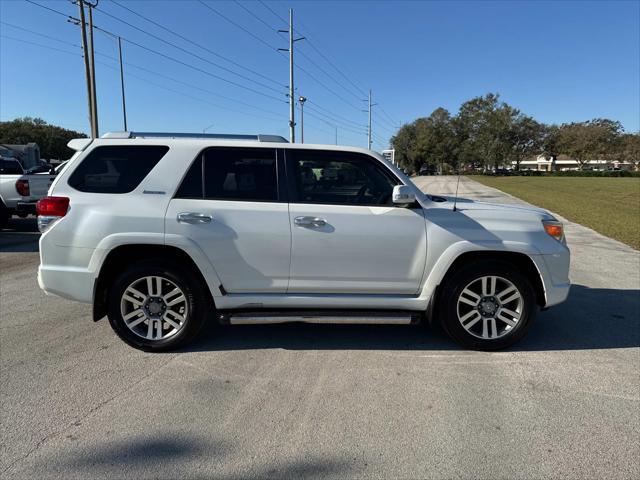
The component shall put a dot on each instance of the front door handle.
(310, 222)
(194, 218)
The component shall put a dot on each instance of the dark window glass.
(340, 178)
(241, 174)
(117, 169)
(10, 167)
(191, 186)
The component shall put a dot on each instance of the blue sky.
(557, 61)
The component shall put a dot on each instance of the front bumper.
(554, 272)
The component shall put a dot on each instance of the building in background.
(562, 163)
(390, 155)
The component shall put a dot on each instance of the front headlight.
(555, 229)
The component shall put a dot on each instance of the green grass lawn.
(610, 206)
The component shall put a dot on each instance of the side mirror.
(403, 195)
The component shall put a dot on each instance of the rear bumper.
(66, 282)
(26, 207)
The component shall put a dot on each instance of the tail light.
(50, 210)
(22, 187)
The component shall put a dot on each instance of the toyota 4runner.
(162, 232)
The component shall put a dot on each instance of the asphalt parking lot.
(287, 401)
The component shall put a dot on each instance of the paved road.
(325, 401)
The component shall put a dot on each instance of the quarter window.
(116, 169)
(339, 178)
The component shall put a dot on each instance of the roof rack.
(212, 136)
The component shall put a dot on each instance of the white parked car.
(162, 232)
(19, 191)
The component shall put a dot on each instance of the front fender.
(441, 263)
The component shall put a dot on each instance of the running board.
(318, 316)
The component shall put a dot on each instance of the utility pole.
(292, 100)
(94, 100)
(302, 99)
(124, 106)
(369, 129)
(87, 71)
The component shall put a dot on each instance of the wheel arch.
(113, 263)
(522, 260)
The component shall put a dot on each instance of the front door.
(347, 236)
(230, 205)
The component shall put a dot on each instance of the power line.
(194, 43)
(135, 66)
(342, 125)
(49, 8)
(333, 114)
(312, 45)
(257, 17)
(38, 33)
(40, 45)
(129, 74)
(206, 72)
(238, 26)
(272, 11)
(184, 50)
(394, 122)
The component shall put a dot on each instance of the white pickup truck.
(20, 191)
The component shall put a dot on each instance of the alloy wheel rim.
(154, 308)
(490, 307)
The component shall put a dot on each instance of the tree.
(591, 140)
(51, 139)
(431, 140)
(484, 127)
(630, 149)
(404, 144)
(526, 138)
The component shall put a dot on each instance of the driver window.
(339, 178)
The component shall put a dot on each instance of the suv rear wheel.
(157, 305)
(488, 305)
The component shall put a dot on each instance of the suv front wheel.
(487, 305)
(157, 305)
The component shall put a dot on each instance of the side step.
(360, 317)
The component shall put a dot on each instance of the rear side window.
(10, 167)
(244, 174)
(116, 169)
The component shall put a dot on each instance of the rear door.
(347, 236)
(231, 203)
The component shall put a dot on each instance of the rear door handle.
(310, 222)
(194, 218)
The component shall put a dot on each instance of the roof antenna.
(455, 198)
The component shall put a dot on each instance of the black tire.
(198, 304)
(465, 276)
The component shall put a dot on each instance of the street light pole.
(302, 99)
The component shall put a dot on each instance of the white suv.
(162, 232)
